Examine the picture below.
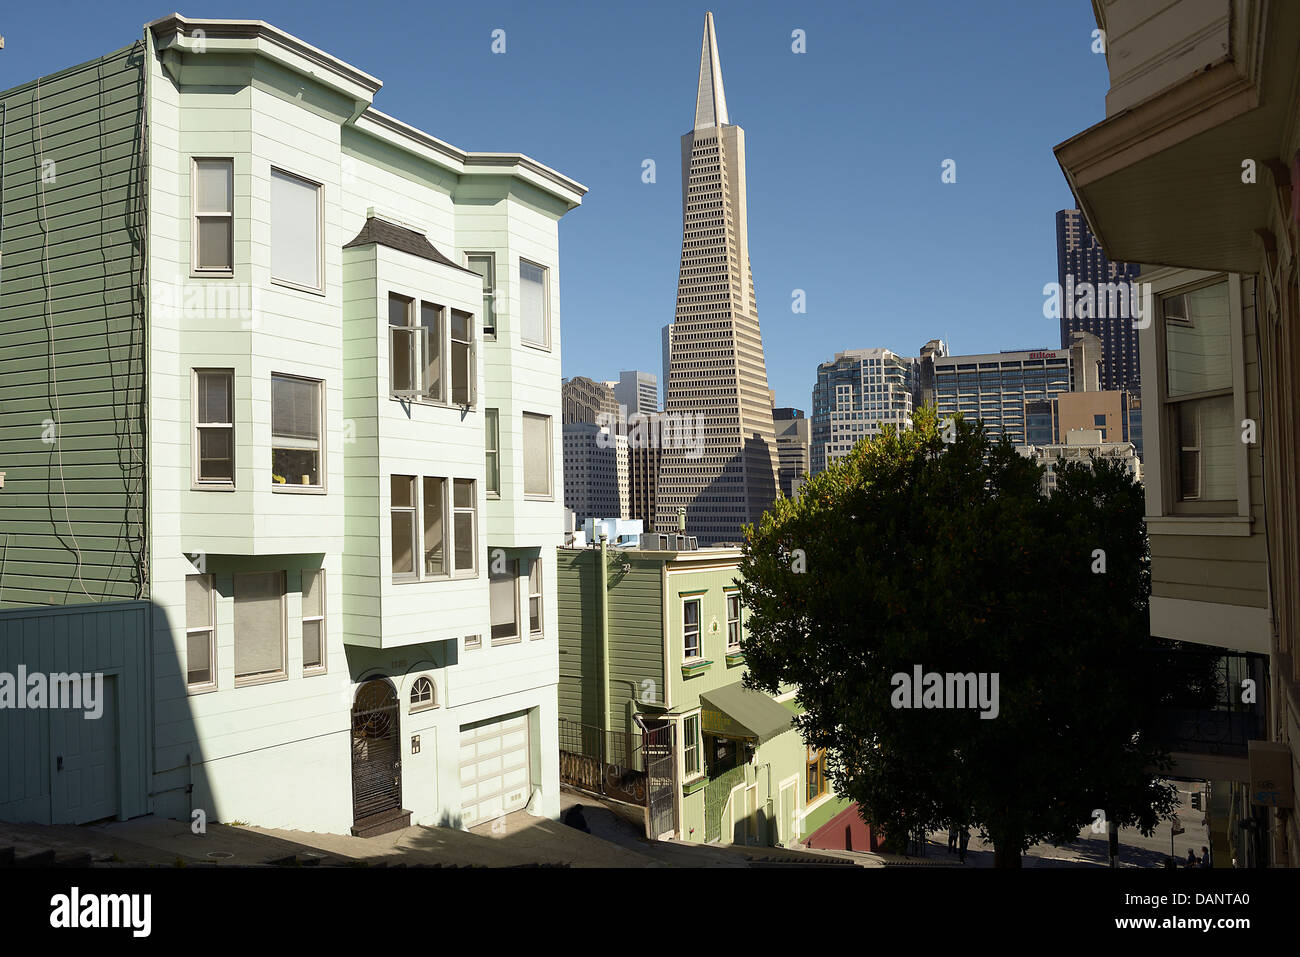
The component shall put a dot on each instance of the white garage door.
(494, 775)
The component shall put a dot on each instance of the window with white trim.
(313, 620)
(1203, 438)
(691, 745)
(503, 591)
(535, 598)
(259, 626)
(534, 307)
(422, 695)
(213, 400)
(200, 632)
(485, 264)
(492, 444)
(733, 621)
(419, 526)
(538, 468)
(296, 433)
(212, 233)
(691, 628)
(296, 241)
(416, 349)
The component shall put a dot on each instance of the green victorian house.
(652, 709)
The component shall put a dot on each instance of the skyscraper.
(857, 393)
(638, 392)
(716, 368)
(792, 441)
(1080, 260)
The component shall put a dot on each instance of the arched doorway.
(376, 750)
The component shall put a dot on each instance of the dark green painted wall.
(636, 666)
(72, 336)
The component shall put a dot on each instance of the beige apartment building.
(1192, 174)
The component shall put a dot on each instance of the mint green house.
(280, 444)
(654, 642)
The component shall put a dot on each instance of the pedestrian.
(1191, 857)
(952, 839)
(964, 840)
(1205, 856)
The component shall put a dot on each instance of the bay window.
(296, 460)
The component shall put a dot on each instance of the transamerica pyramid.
(716, 366)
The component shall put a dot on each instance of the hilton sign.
(1043, 355)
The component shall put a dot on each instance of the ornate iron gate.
(661, 779)
(376, 754)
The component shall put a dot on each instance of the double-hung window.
(296, 460)
(538, 470)
(535, 598)
(691, 628)
(200, 629)
(212, 232)
(816, 764)
(464, 508)
(464, 376)
(435, 526)
(213, 400)
(492, 443)
(733, 621)
(402, 517)
(296, 242)
(485, 265)
(691, 745)
(1203, 439)
(313, 620)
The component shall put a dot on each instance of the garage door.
(494, 775)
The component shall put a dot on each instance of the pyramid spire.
(710, 100)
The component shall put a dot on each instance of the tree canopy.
(915, 551)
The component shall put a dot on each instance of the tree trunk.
(1006, 854)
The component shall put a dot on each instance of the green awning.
(737, 712)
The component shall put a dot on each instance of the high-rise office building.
(638, 392)
(1082, 265)
(666, 340)
(716, 368)
(793, 439)
(584, 399)
(643, 459)
(857, 393)
(1003, 389)
(595, 471)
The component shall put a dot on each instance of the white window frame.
(419, 541)
(492, 447)
(544, 345)
(699, 628)
(472, 511)
(1161, 517)
(197, 481)
(211, 629)
(471, 359)
(320, 233)
(267, 676)
(289, 487)
(489, 292)
(697, 746)
(536, 596)
(415, 707)
(473, 641)
(323, 667)
(196, 214)
(738, 620)
(412, 514)
(549, 494)
(519, 622)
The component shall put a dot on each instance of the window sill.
(434, 579)
(1227, 525)
(211, 273)
(419, 709)
(536, 636)
(534, 497)
(201, 689)
(260, 680)
(513, 640)
(695, 667)
(538, 346)
(735, 658)
(286, 284)
(288, 489)
(212, 487)
(693, 785)
(432, 403)
(313, 672)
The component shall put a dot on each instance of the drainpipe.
(603, 582)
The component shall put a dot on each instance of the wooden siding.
(635, 635)
(72, 340)
(111, 638)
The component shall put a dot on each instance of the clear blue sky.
(844, 142)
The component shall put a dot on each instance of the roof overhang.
(735, 711)
(1161, 182)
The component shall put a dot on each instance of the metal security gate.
(661, 779)
(376, 758)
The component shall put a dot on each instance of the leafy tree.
(916, 551)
